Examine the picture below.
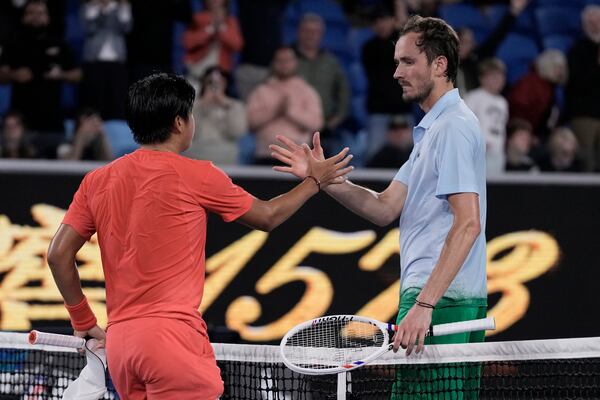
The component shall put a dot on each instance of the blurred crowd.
(62, 94)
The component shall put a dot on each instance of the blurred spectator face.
(520, 141)
(90, 123)
(285, 63)
(14, 130)
(413, 72)
(36, 15)
(563, 146)
(493, 81)
(384, 26)
(467, 43)
(552, 66)
(215, 81)
(215, 4)
(591, 22)
(310, 33)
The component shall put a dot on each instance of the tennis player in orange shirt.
(149, 209)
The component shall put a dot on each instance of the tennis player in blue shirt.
(439, 193)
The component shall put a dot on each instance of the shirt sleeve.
(219, 195)
(455, 161)
(403, 173)
(79, 215)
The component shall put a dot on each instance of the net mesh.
(547, 369)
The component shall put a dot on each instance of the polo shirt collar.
(449, 98)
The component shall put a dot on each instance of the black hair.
(437, 38)
(154, 102)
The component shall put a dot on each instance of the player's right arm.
(381, 208)
(267, 215)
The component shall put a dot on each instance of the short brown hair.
(437, 38)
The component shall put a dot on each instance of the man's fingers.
(339, 156)
(288, 142)
(411, 343)
(280, 150)
(341, 172)
(281, 158)
(421, 342)
(397, 340)
(282, 169)
(345, 161)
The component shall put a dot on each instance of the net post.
(341, 386)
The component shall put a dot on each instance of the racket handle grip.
(53, 339)
(482, 324)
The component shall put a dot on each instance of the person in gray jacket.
(104, 85)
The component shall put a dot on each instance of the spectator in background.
(284, 105)
(322, 71)
(398, 145)
(519, 145)
(561, 152)
(384, 96)
(471, 54)
(150, 42)
(261, 23)
(583, 94)
(533, 97)
(491, 109)
(104, 84)
(220, 121)
(90, 142)
(212, 38)
(37, 63)
(15, 141)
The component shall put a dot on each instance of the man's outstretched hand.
(296, 158)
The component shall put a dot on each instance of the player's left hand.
(413, 329)
(96, 332)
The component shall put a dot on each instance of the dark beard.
(420, 96)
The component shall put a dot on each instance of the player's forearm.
(280, 208)
(362, 201)
(64, 271)
(459, 242)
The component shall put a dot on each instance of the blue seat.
(517, 52)
(5, 96)
(357, 37)
(247, 147)
(560, 42)
(358, 78)
(526, 23)
(544, 3)
(558, 20)
(120, 137)
(178, 51)
(465, 15)
(358, 109)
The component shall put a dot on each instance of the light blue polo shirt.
(448, 157)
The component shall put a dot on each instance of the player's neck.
(169, 146)
(438, 91)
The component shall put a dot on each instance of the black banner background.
(564, 300)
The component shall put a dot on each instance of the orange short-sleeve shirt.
(149, 209)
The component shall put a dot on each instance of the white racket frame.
(435, 330)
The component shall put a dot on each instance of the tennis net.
(537, 369)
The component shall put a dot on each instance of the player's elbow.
(55, 255)
(472, 227)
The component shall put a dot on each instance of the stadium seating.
(517, 52)
(120, 137)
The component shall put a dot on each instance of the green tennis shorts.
(456, 381)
